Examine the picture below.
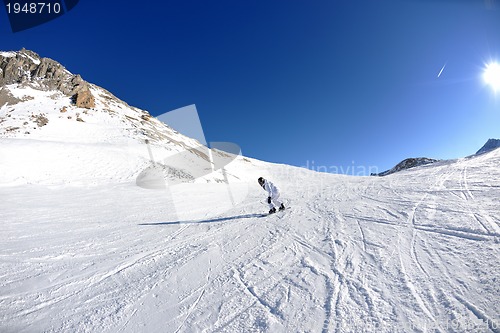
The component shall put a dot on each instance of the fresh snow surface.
(83, 249)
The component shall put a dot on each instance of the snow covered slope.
(44, 106)
(488, 146)
(408, 164)
(83, 248)
(411, 252)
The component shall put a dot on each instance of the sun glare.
(491, 75)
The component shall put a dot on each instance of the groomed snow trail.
(416, 251)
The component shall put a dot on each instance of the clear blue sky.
(340, 83)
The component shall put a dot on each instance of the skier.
(273, 193)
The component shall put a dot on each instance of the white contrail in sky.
(442, 69)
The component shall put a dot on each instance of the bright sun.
(492, 75)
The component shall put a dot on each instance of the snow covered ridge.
(28, 68)
(71, 121)
(7, 54)
(407, 164)
(414, 252)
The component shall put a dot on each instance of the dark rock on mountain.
(407, 164)
(28, 68)
(490, 145)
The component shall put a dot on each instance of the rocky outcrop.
(28, 68)
(7, 98)
(83, 98)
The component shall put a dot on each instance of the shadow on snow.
(213, 220)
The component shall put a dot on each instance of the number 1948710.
(33, 8)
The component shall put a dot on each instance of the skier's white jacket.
(271, 189)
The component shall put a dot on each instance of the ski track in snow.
(416, 251)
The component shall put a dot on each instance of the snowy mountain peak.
(489, 146)
(27, 68)
(408, 164)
